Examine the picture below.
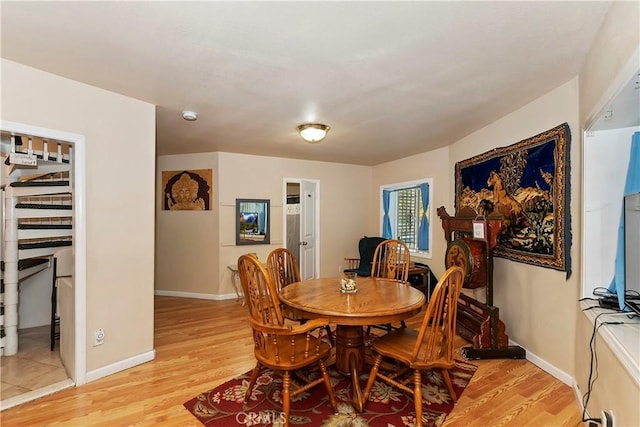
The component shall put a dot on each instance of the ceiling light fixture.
(191, 116)
(313, 132)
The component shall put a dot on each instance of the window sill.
(420, 255)
(623, 340)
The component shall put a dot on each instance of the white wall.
(606, 154)
(35, 300)
(120, 170)
(187, 248)
(538, 305)
(433, 164)
(345, 197)
(616, 43)
(189, 241)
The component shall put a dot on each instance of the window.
(406, 214)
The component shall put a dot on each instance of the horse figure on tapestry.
(506, 204)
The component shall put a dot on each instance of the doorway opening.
(301, 229)
(292, 218)
(54, 188)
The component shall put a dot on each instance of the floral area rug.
(387, 406)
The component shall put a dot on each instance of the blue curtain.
(632, 185)
(423, 229)
(386, 222)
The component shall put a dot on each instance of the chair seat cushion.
(399, 345)
(362, 272)
(283, 348)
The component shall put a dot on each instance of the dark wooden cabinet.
(420, 278)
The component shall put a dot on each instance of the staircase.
(38, 219)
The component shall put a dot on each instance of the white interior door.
(309, 244)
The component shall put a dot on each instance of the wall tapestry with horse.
(528, 183)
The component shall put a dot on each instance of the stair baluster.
(37, 221)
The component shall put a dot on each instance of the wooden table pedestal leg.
(350, 357)
(349, 341)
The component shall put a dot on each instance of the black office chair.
(367, 248)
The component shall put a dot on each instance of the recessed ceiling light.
(191, 116)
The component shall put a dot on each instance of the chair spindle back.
(391, 260)
(283, 267)
(261, 294)
(436, 337)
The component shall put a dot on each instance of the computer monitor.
(632, 251)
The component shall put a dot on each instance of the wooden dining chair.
(390, 261)
(430, 347)
(283, 348)
(283, 268)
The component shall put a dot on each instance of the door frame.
(286, 180)
(79, 374)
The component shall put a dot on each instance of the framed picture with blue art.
(527, 184)
(252, 222)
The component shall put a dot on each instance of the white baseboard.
(121, 365)
(578, 393)
(547, 367)
(195, 295)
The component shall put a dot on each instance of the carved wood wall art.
(187, 190)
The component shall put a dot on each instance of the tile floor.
(34, 367)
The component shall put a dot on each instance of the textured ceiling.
(392, 79)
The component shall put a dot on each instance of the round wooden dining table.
(377, 301)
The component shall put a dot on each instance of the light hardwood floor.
(200, 344)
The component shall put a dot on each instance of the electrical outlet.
(607, 419)
(99, 337)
